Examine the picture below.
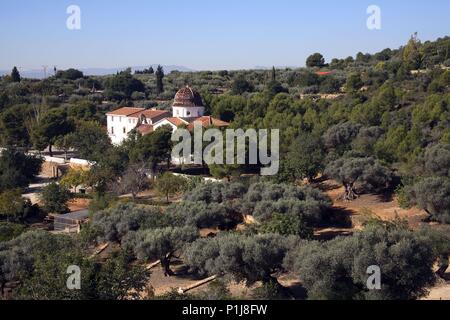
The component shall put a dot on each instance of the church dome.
(187, 97)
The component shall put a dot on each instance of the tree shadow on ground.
(182, 271)
(386, 196)
(298, 291)
(338, 217)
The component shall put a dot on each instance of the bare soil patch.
(383, 206)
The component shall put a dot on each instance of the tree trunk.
(350, 193)
(165, 263)
(153, 169)
(443, 266)
(50, 151)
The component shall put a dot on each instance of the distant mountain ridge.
(39, 74)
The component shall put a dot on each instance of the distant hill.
(39, 74)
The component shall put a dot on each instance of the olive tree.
(439, 240)
(337, 269)
(160, 244)
(240, 257)
(115, 223)
(432, 195)
(288, 224)
(264, 199)
(216, 192)
(368, 173)
(437, 160)
(340, 136)
(201, 215)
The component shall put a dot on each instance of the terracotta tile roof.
(137, 112)
(324, 73)
(127, 111)
(177, 121)
(145, 129)
(151, 114)
(208, 121)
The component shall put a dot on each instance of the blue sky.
(207, 34)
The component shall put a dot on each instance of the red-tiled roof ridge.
(213, 121)
(208, 121)
(125, 111)
(149, 113)
(177, 121)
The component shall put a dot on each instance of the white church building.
(187, 109)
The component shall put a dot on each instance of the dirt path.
(384, 207)
(440, 292)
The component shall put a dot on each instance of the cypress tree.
(15, 75)
(159, 80)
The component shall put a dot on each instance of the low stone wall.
(53, 170)
(56, 167)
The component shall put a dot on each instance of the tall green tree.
(13, 206)
(17, 169)
(169, 184)
(50, 128)
(305, 159)
(152, 148)
(241, 85)
(38, 262)
(69, 74)
(14, 132)
(412, 57)
(315, 60)
(90, 140)
(54, 198)
(274, 74)
(159, 79)
(15, 75)
(124, 83)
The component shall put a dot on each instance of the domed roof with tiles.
(187, 97)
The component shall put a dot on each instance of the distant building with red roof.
(324, 73)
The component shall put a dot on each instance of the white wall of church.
(119, 127)
(188, 112)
